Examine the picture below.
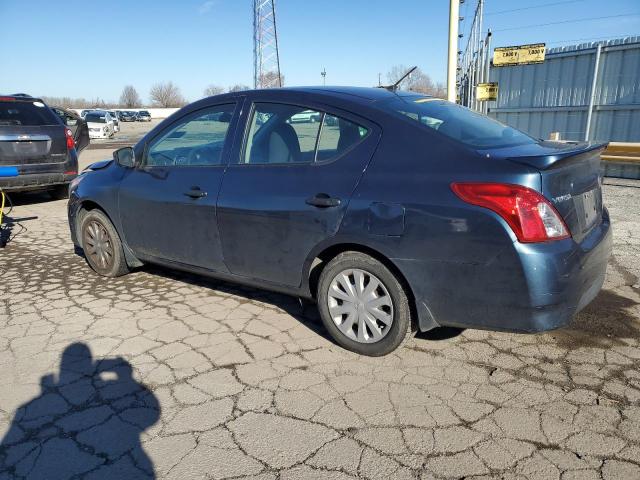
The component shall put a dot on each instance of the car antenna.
(394, 87)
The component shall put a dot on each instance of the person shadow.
(84, 424)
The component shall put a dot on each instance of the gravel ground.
(166, 375)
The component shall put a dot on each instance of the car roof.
(21, 97)
(361, 96)
(65, 109)
(355, 94)
(364, 93)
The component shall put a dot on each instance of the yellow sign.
(519, 55)
(487, 91)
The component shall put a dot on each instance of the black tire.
(401, 323)
(96, 227)
(59, 192)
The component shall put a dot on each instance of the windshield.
(144, 112)
(95, 118)
(26, 113)
(457, 122)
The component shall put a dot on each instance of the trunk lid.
(26, 145)
(571, 179)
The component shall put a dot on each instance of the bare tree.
(440, 90)
(212, 90)
(418, 81)
(165, 95)
(129, 97)
(238, 87)
(69, 102)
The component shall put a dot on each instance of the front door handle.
(195, 192)
(322, 200)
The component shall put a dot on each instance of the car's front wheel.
(363, 305)
(101, 245)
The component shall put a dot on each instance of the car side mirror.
(125, 157)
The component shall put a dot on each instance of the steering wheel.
(204, 155)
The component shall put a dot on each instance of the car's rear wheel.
(101, 245)
(59, 192)
(363, 305)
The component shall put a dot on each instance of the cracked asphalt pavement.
(166, 375)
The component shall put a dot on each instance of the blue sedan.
(393, 211)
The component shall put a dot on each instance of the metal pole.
(275, 36)
(487, 63)
(478, 65)
(472, 89)
(454, 12)
(256, 52)
(592, 97)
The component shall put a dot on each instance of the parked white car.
(116, 123)
(100, 124)
(306, 116)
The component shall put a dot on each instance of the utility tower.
(266, 60)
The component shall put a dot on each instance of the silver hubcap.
(98, 245)
(360, 305)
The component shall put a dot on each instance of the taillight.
(528, 213)
(70, 141)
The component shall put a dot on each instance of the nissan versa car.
(394, 211)
(34, 139)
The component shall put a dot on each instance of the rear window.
(95, 118)
(26, 113)
(457, 122)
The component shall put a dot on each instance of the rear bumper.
(36, 181)
(525, 288)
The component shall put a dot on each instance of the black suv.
(35, 140)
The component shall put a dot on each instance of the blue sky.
(81, 48)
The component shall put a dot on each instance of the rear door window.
(26, 114)
(282, 133)
(337, 136)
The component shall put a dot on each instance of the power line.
(534, 6)
(567, 21)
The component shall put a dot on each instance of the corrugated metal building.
(555, 96)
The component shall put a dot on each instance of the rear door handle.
(322, 200)
(195, 192)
